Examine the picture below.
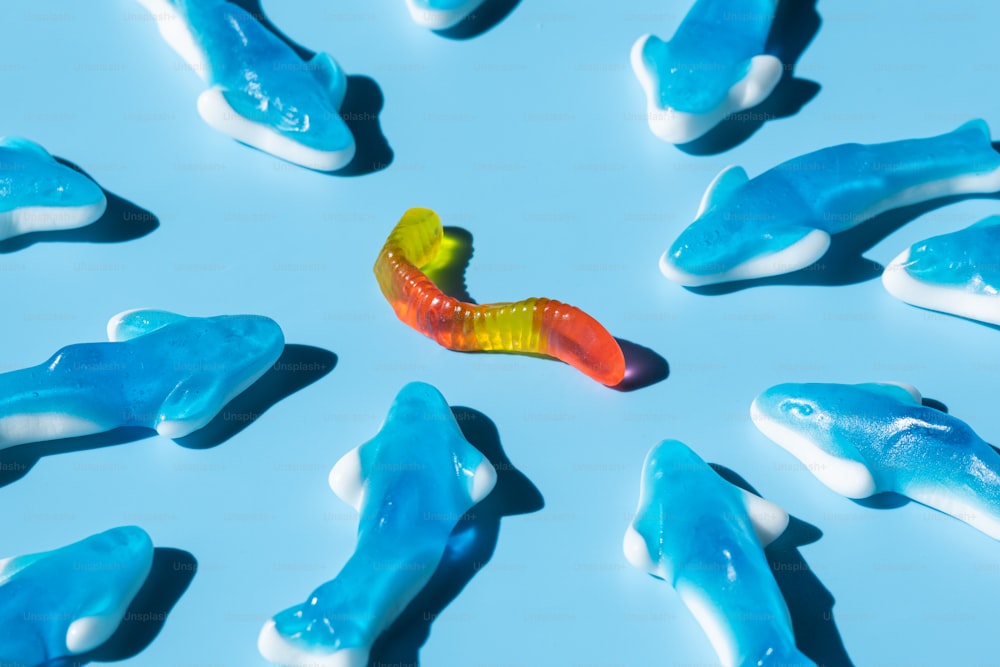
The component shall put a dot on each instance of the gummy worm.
(532, 326)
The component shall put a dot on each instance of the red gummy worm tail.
(578, 339)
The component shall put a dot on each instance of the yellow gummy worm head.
(417, 236)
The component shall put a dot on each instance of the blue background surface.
(530, 136)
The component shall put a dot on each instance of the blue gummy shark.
(260, 92)
(69, 601)
(957, 273)
(161, 370)
(713, 66)
(411, 484)
(39, 194)
(441, 14)
(706, 538)
(781, 221)
(865, 439)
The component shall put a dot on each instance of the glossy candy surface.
(865, 439)
(38, 194)
(161, 370)
(411, 484)
(713, 66)
(541, 326)
(260, 92)
(441, 14)
(68, 601)
(706, 538)
(956, 273)
(782, 220)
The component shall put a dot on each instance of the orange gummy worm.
(534, 326)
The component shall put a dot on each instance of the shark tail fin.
(329, 74)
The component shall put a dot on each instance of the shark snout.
(806, 420)
(789, 406)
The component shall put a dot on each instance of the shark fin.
(769, 521)
(347, 479)
(637, 551)
(762, 76)
(898, 390)
(87, 633)
(190, 405)
(480, 474)
(330, 75)
(721, 187)
(139, 322)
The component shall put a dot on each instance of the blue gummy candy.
(37, 193)
(865, 439)
(260, 92)
(161, 370)
(69, 601)
(781, 221)
(411, 484)
(956, 273)
(706, 538)
(713, 66)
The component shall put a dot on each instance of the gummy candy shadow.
(470, 548)
(643, 366)
(810, 603)
(480, 20)
(796, 23)
(362, 104)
